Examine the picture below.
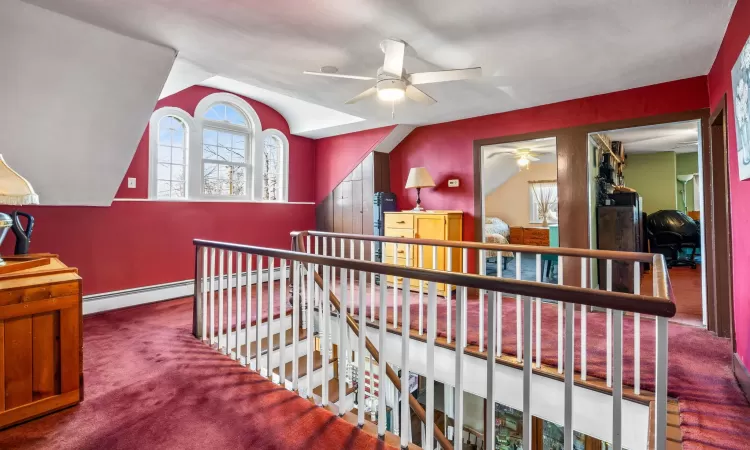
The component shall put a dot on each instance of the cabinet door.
(430, 227)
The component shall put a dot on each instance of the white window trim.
(153, 146)
(284, 162)
(532, 202)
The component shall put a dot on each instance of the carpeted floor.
(150, 385)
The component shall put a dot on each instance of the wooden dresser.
(41, 362)
(439, 225)
(538, 236)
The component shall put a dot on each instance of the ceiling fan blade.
(445, 75)
(368, 93)
(532, 158)
(338, 75)
(419, 96)
(394, 57)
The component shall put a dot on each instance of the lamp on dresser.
(15, 190)
(418, 178)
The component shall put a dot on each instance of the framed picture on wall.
(740, 88)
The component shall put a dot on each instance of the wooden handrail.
(559, 251)
(375, 354)
(657, 306)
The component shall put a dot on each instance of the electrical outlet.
(131, 183)
(453, 183)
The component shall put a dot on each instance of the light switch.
(131, 183)
(453, 183)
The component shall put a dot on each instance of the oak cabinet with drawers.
(437, 225)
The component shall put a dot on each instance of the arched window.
(171, 156)
(226, 156)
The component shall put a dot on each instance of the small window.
(272, 173)
(222, 112)
(171, 159)
(543, 201)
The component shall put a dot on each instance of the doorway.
(519, 204)
(651, 179)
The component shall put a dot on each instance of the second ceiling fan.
(393, 83)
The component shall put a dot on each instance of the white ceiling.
(532, 53)
(496, 170)
(679, 137)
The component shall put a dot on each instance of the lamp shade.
(15, 189)
(419, 177)
(685, 178)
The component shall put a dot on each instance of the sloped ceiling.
(76, 99)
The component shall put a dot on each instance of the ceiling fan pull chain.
(393, 110)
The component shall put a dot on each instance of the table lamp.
(419, 178)
(14, 190)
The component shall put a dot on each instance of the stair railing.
(250, 283)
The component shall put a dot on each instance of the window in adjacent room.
(171, 173)
(225, 152)
(543, 201)
(272, 173)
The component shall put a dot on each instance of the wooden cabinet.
(619, 228)
(41, 364)
(537, 236)
(438, 225)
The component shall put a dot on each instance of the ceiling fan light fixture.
(391, 90)
(522, 162)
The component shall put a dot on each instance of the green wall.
(687, 163)
(654, 177)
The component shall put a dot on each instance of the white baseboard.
(107, 301)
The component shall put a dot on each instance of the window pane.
(178, 138)
(165, 135)
(210, 171)
(216, 112)
(178, 172)
(209, 136)
(209, 152)
(237, 180)
(162, 189)
(235, 117)
(238, 141)
(163, 172)
(164, 154)
(225, 139)
(226, 113)
(178, 189)
(178, 155)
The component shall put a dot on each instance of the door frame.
(719, 226)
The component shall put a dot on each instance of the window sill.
(208, 200)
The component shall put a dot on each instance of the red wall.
(720, 83)
(141, 243)
(336, 156)
(446, 149)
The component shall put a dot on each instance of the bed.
(497, 232)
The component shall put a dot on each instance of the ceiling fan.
(523, 156)
(393, 83)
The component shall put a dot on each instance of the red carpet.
(150, 385)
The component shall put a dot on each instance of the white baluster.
(362, 315)
(405, 338)
(420, 264)
(395, 288)
(609, 326)
(213, 296)
(310, 333)
(431, 334)
(343, 332)
(491, 346)
(637, 334)
(617, 380)
(519, 322)
(482, 271)
(559, 317)
(352, 291)
(584, 308)
(296, 278)
(458, 403)
(372, 292)
(538, 313)
(527, 372)
(499, 309)
(221, 301)
(204, 299)
(325, 330)
(333, 270)
(382, 362)
(660, 415)
(569, 369)
(271, 293)
(282, 320)
(259, 311)
(248, 306)
(448, 294)
(238, 294)
(317, 290)
(464, 299)
(229, 304)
